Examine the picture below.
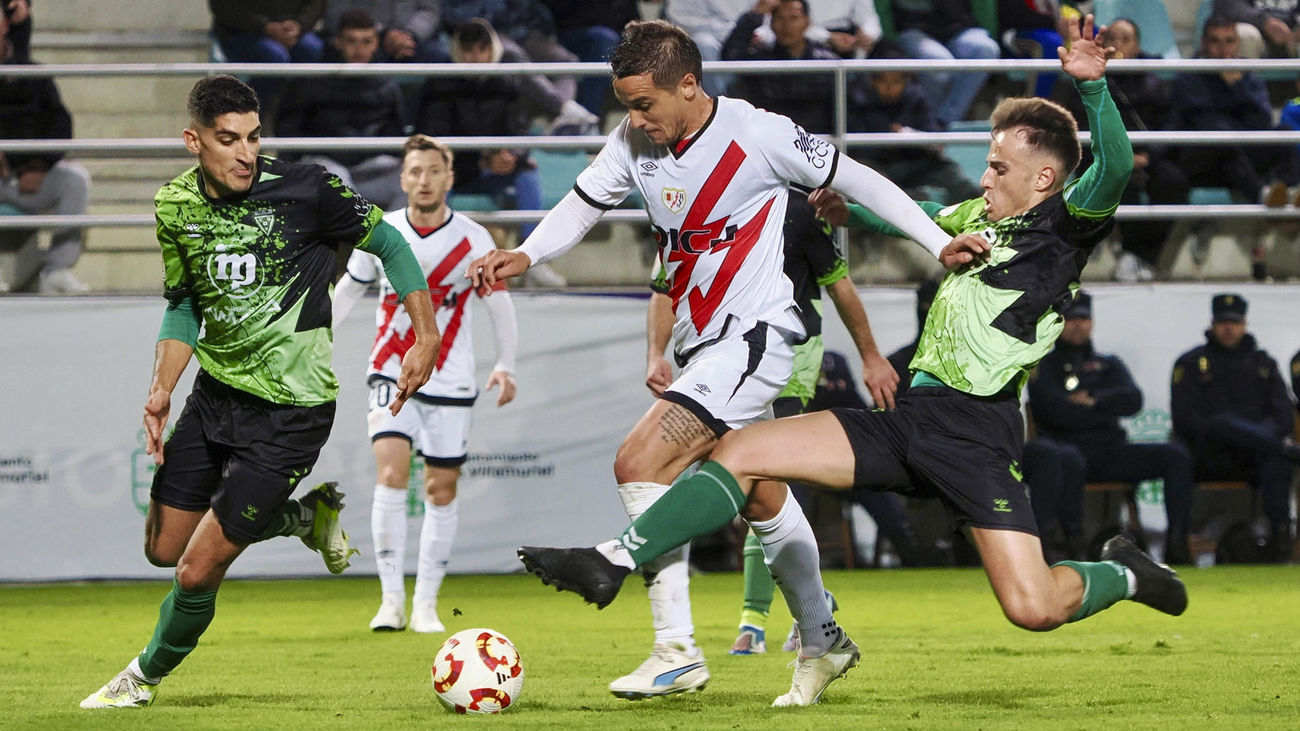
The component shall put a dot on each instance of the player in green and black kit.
(250, 247)
(957, 432)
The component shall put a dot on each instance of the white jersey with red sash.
(443, 255)
(717, 205)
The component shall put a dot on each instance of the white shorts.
(439, 432)
(733, 382)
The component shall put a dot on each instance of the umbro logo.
(701, 388)
(649, 167)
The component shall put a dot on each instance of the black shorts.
(939, 442)
(239, 455)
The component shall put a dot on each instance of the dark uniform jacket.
(30, 108)
(1071, 368)
(1244, 382)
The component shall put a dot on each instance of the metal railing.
(168, 147)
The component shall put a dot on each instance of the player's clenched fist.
(484, 271)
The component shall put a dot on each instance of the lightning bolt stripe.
(723, 173)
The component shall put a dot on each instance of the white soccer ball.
(478, 671)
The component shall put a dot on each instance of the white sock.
(388, 529)
(440, 522)
(1132, 582)
(617, 554)
(667, 577)
(790, 551)
(134, 669)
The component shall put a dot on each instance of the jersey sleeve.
(794, 154)
(343, 214)
(176, 281)
(363, 267)
(608, 179)
(1097, 191)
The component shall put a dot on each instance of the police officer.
(1231, 408)
(1077, 396)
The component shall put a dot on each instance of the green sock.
(759, 586)
(290, 519)
(695, 506)
(182, 618)
(1104, 583)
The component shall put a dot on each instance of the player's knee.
(1031, 614)
(631, 464)
(193, 577)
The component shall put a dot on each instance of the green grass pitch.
(937, 654)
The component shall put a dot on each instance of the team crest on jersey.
(265, 221)
(674, 199)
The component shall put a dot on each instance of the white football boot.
(813, 674)
(671, 668)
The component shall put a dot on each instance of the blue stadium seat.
(971, 158)
(558, 169)
(1152, 19)
(473, 202)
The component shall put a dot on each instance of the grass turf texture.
(937, 653)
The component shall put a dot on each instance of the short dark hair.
(356, 19)
(425, 142)
(214, 96)
(804, 3)
(1137, 32)
(1218, 21)
(657, 48)
(1052, 129)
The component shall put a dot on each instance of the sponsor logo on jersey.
(235, 273)
(815, 149)
(649, 166)
(674, 199)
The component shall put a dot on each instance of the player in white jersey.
(714, 174)
(436, 423)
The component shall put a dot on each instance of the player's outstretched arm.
(497, 265)
(559, 231)
(959, 252)
(418, 362)
(1099, 188)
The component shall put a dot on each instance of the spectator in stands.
(901, 359)
(529, 26)
(1268, 28)
(1029, 30)
(850, 28)
(487, 106)
(1077, 396)
(350, 106)
(1145, 104)
(268, 31)
(1226, 101)
(809, 99)
(1230, 407)
(709, 23)
(36, 183)
(408, 29)
(19, 15)
(591, 30)
(945, 30)
(892, 101)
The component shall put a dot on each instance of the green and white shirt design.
(260, 270)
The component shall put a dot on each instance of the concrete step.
(146, 122)
(162, 169)
(137, 239)
(121, 272)
(135, 97)
(137, 15)
(138, 192)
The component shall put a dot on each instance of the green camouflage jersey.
(991, 323)
(259, 269)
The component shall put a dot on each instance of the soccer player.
(957, 432)
(437, 423)
(250, 248)
(812, 261)
(715, 175)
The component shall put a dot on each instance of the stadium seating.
(1151, 17)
